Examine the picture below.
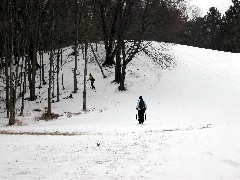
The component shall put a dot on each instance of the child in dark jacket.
(91, 78)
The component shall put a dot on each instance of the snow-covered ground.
(192, 129)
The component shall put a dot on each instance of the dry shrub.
(46, 117)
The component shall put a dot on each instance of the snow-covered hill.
(191, 132)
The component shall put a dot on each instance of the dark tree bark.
(33, 52)
(62, 71)
(128, 56)
(109, 33)
(85, 78)
(40, 70)
(6, 53)
(49, 108)
(58, 61)
(23, 94)
(76, 46)
(75, 80)
(124, 20)
(25, 76)
(10, 35)
(12, 90)
(53, 83)
(123, 73)
(96, 59)
(12, 102)
(118, 62)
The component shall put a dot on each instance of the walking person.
(91, 78)
(141, 107)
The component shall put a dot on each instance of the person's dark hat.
(140, 97)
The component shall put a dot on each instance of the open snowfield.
(192, 130)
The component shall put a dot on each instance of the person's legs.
(92, 86)
(141, 116)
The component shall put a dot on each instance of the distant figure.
(91, 78)
(141, 107)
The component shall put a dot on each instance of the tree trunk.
(49, 108)
(76, 48)
(96, 59)
(40, 69)
(34, 46)
(62, 71)
(22, 107)
(76, 40)
(6, 53)
(7, 83)
(32, 72)
(1, 64)
(85, 80)
(109, 35)
(25, 76)
(58, 59)
(11, 108)
(118, 64)
(75, 81)
(12, 96)
(53, 83)
(122, 82)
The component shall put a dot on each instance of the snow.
(191, 132)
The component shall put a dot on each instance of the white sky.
(204, 5)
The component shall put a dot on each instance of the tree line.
(215, 31)
(28, 29)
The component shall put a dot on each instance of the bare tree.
(62, 70)
(6, 52)
(9, 61)
(127, 48)
(85, 77)
(34, 48)
(96, 59)
(109, 27)
(76, 45)
(49, 109)
(58, 67)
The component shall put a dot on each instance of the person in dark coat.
(91, 78)
(141, 107)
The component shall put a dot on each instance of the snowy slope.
(191, 132)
